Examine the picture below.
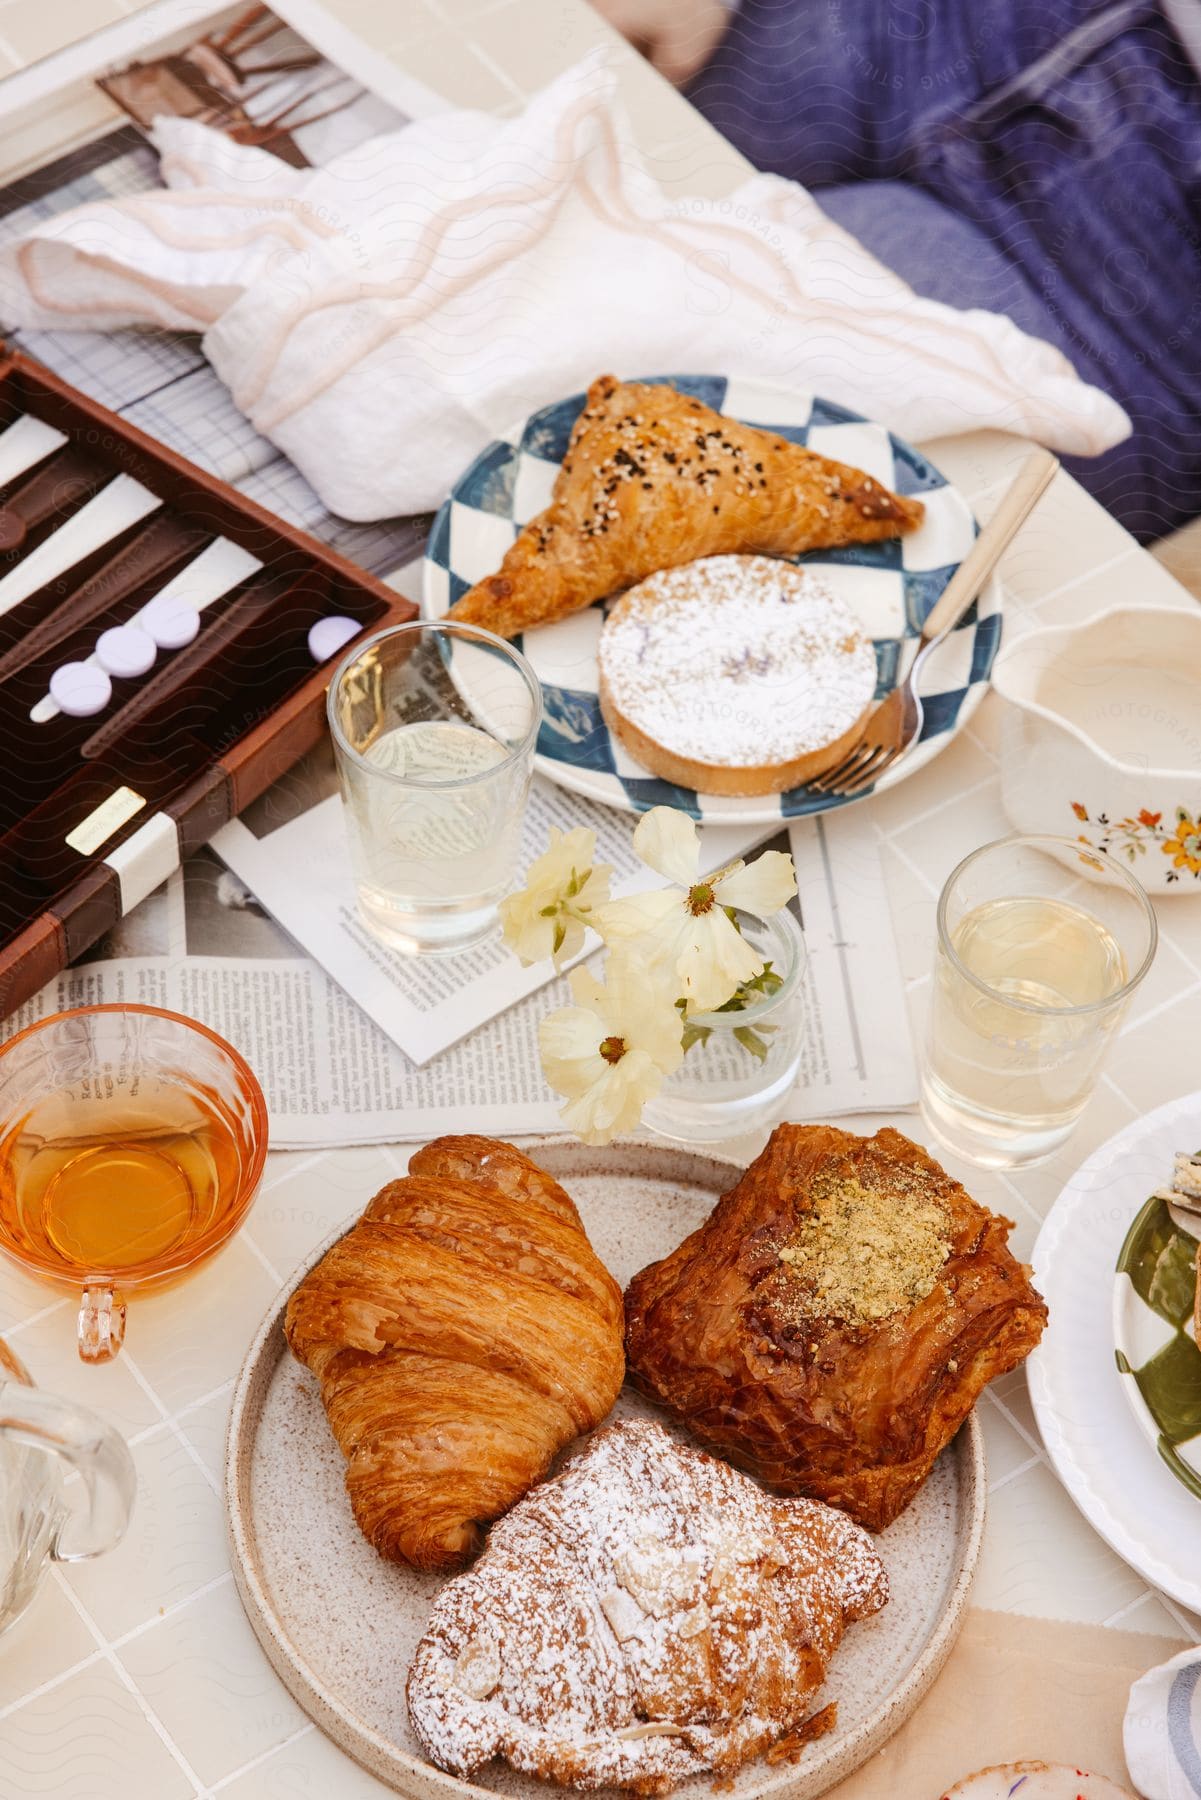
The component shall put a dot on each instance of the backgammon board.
(165, 646)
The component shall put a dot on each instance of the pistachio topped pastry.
(835, 1319)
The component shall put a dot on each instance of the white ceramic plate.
(1101, 1454)
(890, 587)
(1159, 1361)
(340, 1626)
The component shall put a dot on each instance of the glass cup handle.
(100, 1330)
(96, 1452)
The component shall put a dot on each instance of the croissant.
(463, 1331)
(654, 478)
(647, 1617)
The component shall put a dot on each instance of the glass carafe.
(43, 1438)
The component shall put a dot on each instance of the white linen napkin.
(381, 318)
(1162, 1731)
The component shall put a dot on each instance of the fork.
(896, 723)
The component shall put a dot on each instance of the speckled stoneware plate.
(890, 587)
(340, 1626)
(1154, 1293)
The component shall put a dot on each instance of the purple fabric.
(1040, 157)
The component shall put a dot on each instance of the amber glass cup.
(132, 1143)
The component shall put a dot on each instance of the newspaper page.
(290, 849)
(203, 945)
(859, 1050)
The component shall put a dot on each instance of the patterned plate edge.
(608, 789)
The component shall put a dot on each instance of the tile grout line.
(1109, 1082)
(247, 1768)
(1035, 1217)
(128, 1683)
(1012, 1419)
(48, 1687)
(1188, 1626)
(178, 1418)
(490, 63)
(1131, 1605)
(127, 1637)
(35, 1318)
(169, 1612)
(260, 1256)
(176, 1429)
(909, 863)
(1136, 1025)
(973, 736)
(284, 1175)
(1003, 1481)
(1066, 587)
(930, 812)
(1187, 960)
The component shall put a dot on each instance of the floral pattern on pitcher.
(1132, 837)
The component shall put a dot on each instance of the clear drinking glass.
(741, 1067)
(434, 728)
(1041, 943)
(132, 1143)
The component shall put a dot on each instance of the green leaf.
(750, 1040)
(760, 987)
(695, 1034)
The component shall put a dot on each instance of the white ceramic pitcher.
(1102, 739)
(41, 1436)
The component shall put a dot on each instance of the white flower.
(548, 916)
(609, 1052)
(683, 932)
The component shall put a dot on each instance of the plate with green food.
(1104, 1450)
(1156, 1316)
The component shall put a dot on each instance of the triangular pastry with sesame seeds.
(654, 478)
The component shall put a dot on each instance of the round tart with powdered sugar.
(735, 675)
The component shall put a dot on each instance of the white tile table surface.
(137, 1677)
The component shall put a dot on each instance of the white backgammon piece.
(327, 636)
(80, 689)
(125, 651)
(171, 623)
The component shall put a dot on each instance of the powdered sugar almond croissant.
(648, 1616)
(654, 478)
(463, 1332)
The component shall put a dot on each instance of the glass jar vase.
(740, 1066)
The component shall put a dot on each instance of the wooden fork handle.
(1016, 504)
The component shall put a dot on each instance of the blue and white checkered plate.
(890, 586)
